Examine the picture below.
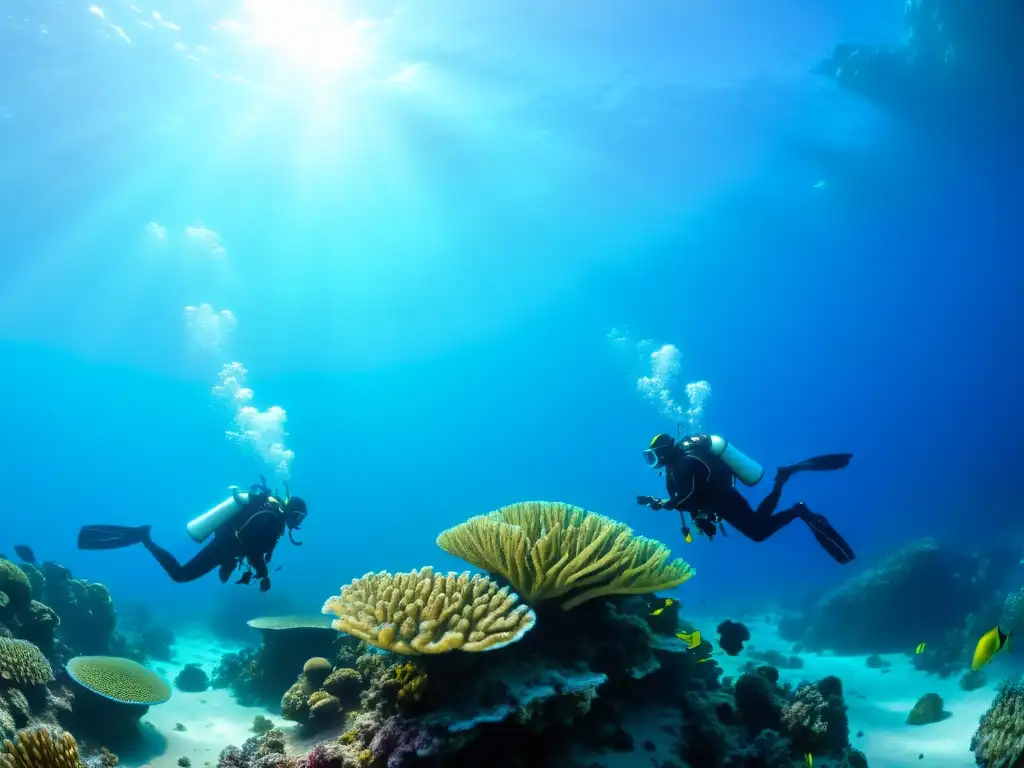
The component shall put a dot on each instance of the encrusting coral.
(547, 550)
(426, 613)
(40, 749)
(999, 740)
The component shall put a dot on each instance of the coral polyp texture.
(999, 740)
(550, 550)
(121, 680)
(22, 663)
(40, 749)
(426, 613)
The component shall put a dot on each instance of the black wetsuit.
(250, 537)
(704, 486)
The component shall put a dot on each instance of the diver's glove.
(650, 501)
(264, 584)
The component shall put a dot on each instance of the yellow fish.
(688, 538)
(692, 640)
(988, 646)
(669, 602)
(810, 759)
(920, 648)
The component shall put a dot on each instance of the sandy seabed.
(879, 701)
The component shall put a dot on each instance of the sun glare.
(310, 34)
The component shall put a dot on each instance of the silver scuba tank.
(208, 522)
(745, 468)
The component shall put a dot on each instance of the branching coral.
(999, 740)
(40, 749)
(427, 613)
(548, 550)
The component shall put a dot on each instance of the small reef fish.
(669, 602)
(988, 646)
(692, 639)
(25, 553)
(810, 759)
(920, 648)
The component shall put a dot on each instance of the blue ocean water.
(449, 237)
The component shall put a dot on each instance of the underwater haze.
(425, 260)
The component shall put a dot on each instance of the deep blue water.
(425, 273)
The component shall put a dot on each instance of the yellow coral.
(426, 613)
(548, 549)
(39, 749)
(365, 757)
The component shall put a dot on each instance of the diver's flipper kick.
(245, 527)
(111, 536)
(700, 476)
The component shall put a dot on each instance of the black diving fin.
(824, 463)
(111, 536)
(829, 538)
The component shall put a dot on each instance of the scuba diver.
(700, 474)
(246, 527)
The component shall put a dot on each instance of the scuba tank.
(208, 522)
(745, 468)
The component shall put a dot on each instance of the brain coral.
(40, 749)
(999, 740)
(15, 589)
(121, 680)
(423, 612)
(548, 549)
(22, 663)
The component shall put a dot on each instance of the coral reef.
(266, 750)
(816, 718)
(731, 636)
(558, 698)
(549, 550)
(427, 613)
(999, 740)
(927, 710)
(972, 680)
(40, 749)
(960, 66)
(260, 675)
(192, 679)
(920, 592)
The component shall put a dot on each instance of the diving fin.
(829, 538)
(823, 463)
(111, 536)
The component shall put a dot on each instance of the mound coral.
(548, 550)
(121, 680)
(40, 749)
(426, 613)
(999, 740)
(15, 589)
(22, 663)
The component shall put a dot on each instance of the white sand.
(879, 702)
(213, 719)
